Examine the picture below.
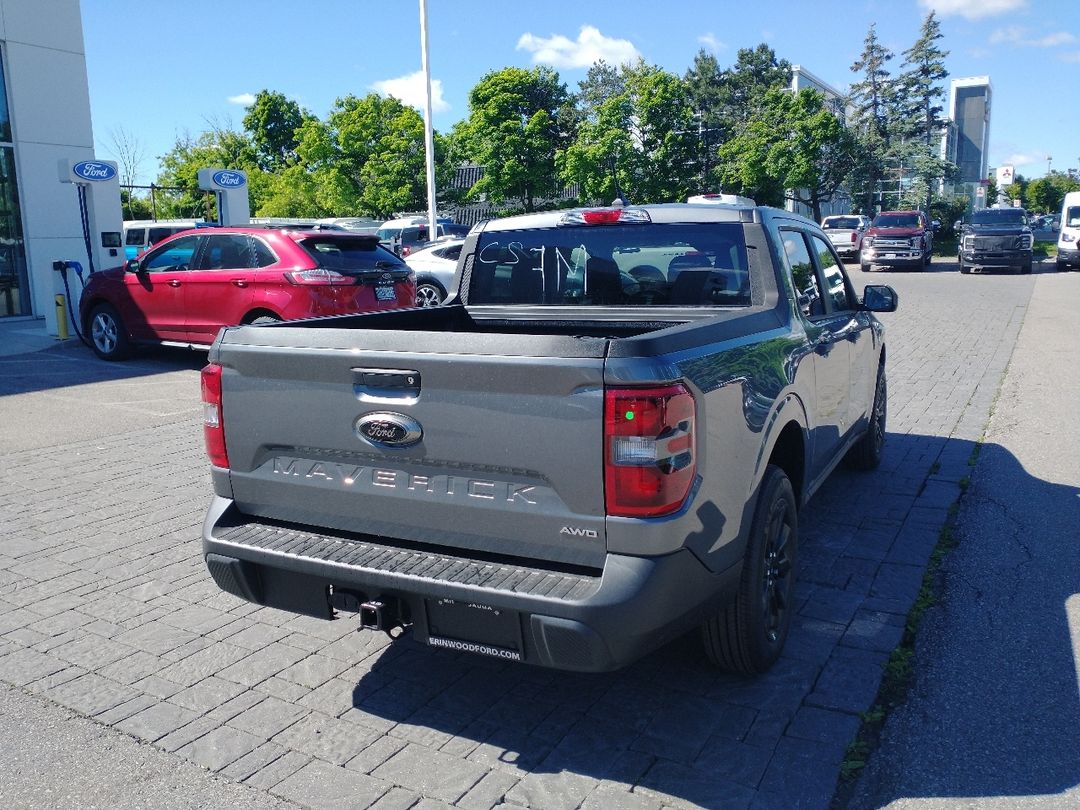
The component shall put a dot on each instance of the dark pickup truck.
(995, 237)
(604, 438)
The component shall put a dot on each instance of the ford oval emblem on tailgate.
(387, 429)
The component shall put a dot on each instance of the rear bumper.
(581, 619)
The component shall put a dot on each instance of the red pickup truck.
(897, 239)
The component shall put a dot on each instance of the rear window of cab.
(682, 264)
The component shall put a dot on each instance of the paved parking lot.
(106, 608)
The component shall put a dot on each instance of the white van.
(1069, 239)
(139, 234)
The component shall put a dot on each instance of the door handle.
(174, 282)
(239, 282)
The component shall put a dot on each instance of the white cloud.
(590, 46)
(244, 99)
(1022, 159)
(712, 43)
(972, 9)
(410, 90)
(1014, 35)
(1071, 56)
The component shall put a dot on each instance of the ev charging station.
(231, 189)
(97, 185)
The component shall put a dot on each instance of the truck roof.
(658, 212)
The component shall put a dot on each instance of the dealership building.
(45, 126)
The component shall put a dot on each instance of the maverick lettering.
(350, 476)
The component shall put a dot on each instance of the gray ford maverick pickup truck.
(603, 439)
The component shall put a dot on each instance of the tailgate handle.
(386, 382)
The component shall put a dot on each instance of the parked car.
(845, 231)
(1069, 239)
(897, 239)
(402, 236)
(139, 234)
(184, 290)
(435, 265)
(995, 237)
(606, 439)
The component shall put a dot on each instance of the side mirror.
(958, 225)
(936, 225)
(133, 266)
(879, 298)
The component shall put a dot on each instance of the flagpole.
(429, 132)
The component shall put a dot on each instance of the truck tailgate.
(509, 461)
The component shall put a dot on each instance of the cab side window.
(800, 268)
(173, 257)
(135, 236)
(836, 283)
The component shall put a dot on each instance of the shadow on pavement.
(75, 364)
(672, 724)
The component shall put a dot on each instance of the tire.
(1060, 266)
(429, 294)
(864, 266)
(928, 259)
(963, 267)
(747, 635)
(867, 452)
(1025, 269)
(108, 337)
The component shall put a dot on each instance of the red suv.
(183, 290)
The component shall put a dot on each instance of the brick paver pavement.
(107, 609)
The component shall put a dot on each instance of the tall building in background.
(967, 138)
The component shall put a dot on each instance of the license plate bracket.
(457, 624)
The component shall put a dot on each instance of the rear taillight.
(213, 426)
(649, 462)
(854, 237)
(405, 250)
(319, 277)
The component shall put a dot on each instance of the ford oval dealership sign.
(228, 179)
(93, 170)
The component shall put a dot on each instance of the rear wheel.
(748, 635)
(867, 452)
(108, 337)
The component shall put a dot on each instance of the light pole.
(1049, 158)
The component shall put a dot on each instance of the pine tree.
(919, 102)
(872, 100)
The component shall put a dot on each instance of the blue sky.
(157, 69)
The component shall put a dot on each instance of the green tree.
(273, 123)
(218, 147)
(871, 101)
(513, 131)
(744, 84)
(794, 146)
(1046, 194)
(641, 144)
(367, 158)
(919, 94)
(705, 86)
